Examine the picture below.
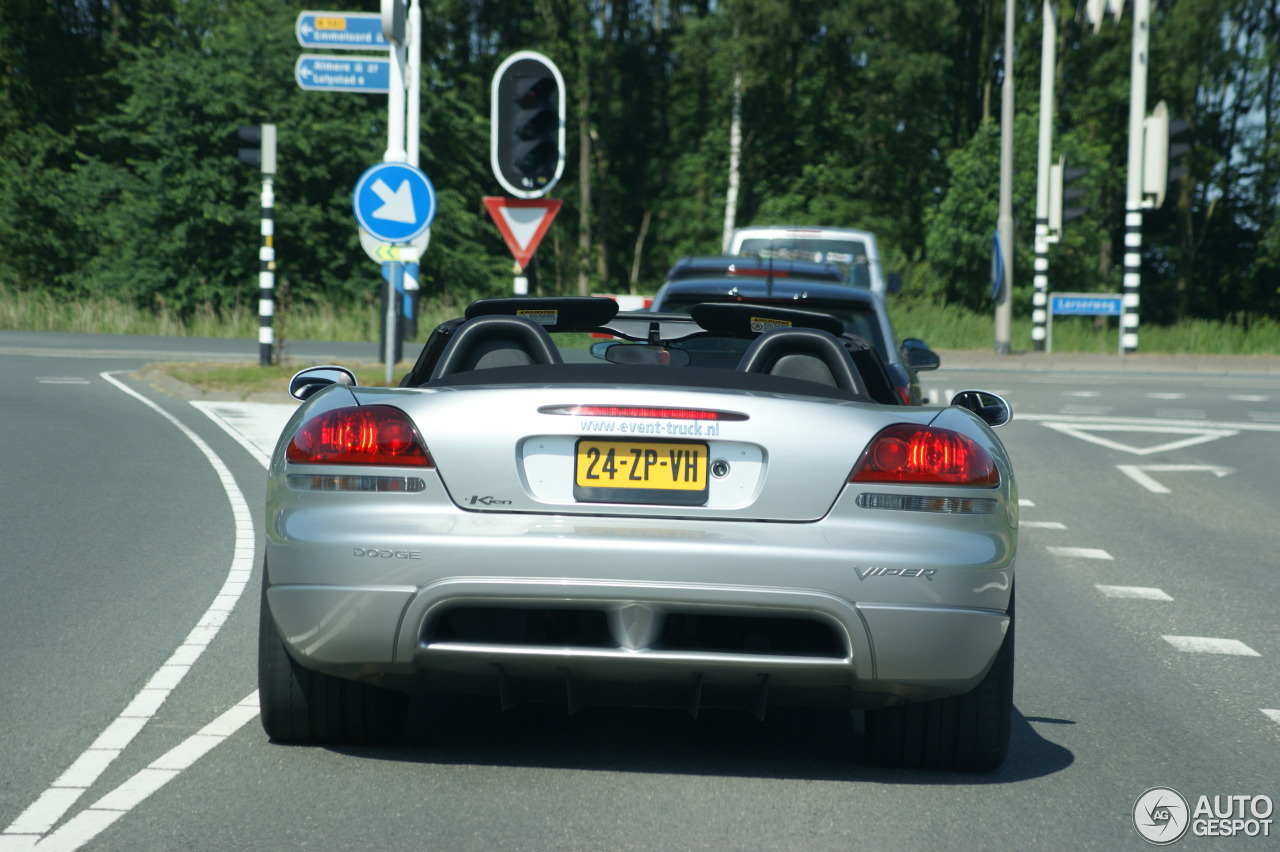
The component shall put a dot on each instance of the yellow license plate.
(640, 472)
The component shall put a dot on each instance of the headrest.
(553, 313)
(741, 319)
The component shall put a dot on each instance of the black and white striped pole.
(1040, 295)
(263, 154)
(1134, 202)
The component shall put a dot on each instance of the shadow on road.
(820, 745)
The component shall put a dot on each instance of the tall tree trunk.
(735, 161)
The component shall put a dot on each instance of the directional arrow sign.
(319, 73)
(1139, 473)
(382, 252)
(522, 222)
(395, 202)
(340, 30)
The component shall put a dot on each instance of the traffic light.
(527, 124)
(1158, 153)
(1060, 192)
(261, 150)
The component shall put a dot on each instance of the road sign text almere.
(318, 72)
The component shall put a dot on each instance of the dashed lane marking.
(1042, 525)
(1210, 645)
(1080, 552)
(1142, 593)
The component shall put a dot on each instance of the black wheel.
(305, 707)
(966, 733)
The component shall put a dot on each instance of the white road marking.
(1026, 504)
(62, 795)
(1042, 525)
(1080, 552)
(255, 425)
(1084, 394)
(92, 821)
(1247, 397)
(1076, 409)
(63, 380)
(1273, 715)
(1138, 473)
(1194, 435)
(1143, 593)
(1146, 424)
(1208, 645)
(1166, 396)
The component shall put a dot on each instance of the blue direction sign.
(321, 73)
(394, 202)
(340, 30)
(1085, 304)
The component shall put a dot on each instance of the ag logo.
(1161, 815)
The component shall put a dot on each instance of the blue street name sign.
(371, 74)
(340, 30)
(394, 202)
(1085, 305)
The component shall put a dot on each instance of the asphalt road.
(1147, 644)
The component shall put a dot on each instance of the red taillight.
(905, 453)
(373, 434)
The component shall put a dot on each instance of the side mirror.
(990, 407)
(918, 356)
(305, 383)
(893, 282)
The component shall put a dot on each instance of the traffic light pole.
(1004, 306)
(1040, 297)
(1133, 188)
(263, 155)
(267, 276)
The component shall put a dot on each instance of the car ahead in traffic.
(698, 514)
(854, 251)
(754, 267)
(862, 312)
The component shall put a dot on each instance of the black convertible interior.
(717, 345)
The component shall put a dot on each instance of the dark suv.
(805, 285)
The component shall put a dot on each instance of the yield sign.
(522, 223)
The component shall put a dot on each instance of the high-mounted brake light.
(372, 434)
(646, 412)
(919, 454)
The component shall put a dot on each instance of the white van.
(852, 250)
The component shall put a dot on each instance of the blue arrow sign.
(321, 73)
(340, 30)
(394, 202)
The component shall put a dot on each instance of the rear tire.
(304, 707)
(965, 733)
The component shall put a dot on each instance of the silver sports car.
(566, 503)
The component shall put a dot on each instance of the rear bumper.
(866, 654)
(862, 608)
